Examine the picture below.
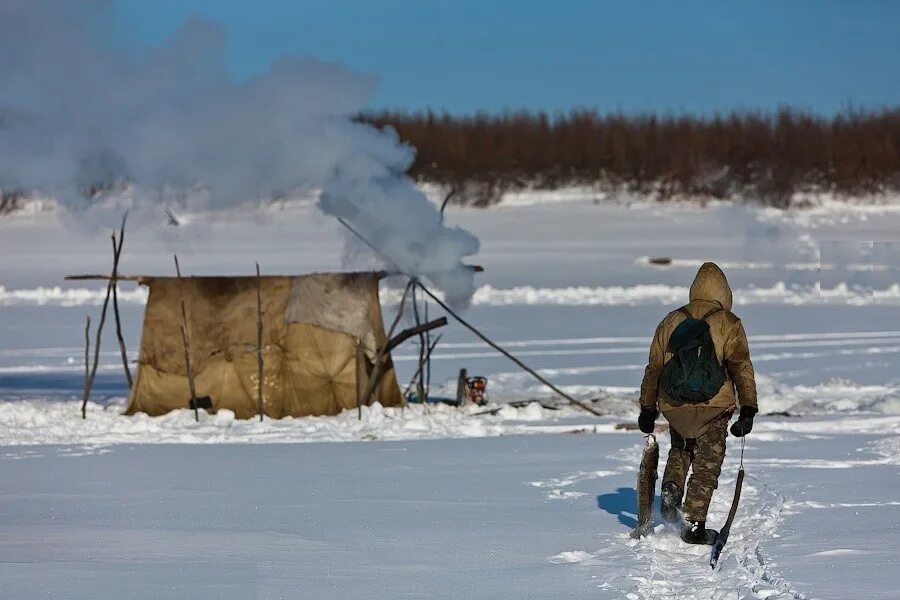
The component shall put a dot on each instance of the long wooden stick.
(186, 340)
(375, 375)
(474, 330)
(385, 351)
(259, 341)
(87, 365)
(420, 386)
(427, 357)
(359, 373)
(117, 253)
(507, 354)
(109, 289)
(428, 344)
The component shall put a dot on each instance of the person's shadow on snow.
(623, 504)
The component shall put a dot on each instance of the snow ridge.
(488, 295)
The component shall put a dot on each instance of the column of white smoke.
(172, 125)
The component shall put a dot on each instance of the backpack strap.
(683, 310)
(711, 313)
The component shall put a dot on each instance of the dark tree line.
(766, 157)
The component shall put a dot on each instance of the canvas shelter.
(312, 325)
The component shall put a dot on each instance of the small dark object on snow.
(726, 529)
(476, 388)
(171, 219)
(646, 487)
(204, 402)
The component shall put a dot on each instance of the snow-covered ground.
(529, 502)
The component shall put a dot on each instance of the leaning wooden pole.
(415, 376)
(186, 340)
(259, 343)
(420, 383)
(427, 373)
(377, 369)
(87, 367)
(90, 383)
(117, 253)
(359, 373)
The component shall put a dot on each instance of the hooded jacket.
(710, 290)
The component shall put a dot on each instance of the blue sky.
(465, 55)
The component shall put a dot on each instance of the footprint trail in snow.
(661, 566)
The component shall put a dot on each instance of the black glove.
(744, 424)
(647, 419)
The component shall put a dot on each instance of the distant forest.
(753, 156)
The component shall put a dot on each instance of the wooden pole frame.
(420, 385)
(259, 343)
(110, 285)
(375, 375)
(87, 366)
(186, 340)
(360, 370)
(478, 333)
(427, 357)
(117, 253)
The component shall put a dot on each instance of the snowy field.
(528, 503)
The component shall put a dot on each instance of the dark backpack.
(693, 375)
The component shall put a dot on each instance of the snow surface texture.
(499, 517)
(530, 502)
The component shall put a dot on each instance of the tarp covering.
(311, 327)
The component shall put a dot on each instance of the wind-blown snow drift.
(101, 129)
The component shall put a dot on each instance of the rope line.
(507, 354)
(414, 280)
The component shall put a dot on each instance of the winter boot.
(695, 532)
(671, 501)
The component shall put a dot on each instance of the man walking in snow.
(698, 373)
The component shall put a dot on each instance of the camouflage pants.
(705, 456)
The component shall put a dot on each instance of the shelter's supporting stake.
(375, 375)
(384, 352)
(259, 342)
(518, 362)
(360, 370)
(117, 252)
(110, 286)
(420, 386)
(472, 328)
(431, 348)
(462, 381)
(87, 365)
(186, 340)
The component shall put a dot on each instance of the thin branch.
(505, 353)
(109, 288)
(427, 356)
(87, 364)
(186, 340)
(259, 341)
(447, 200)
(117, 253)
(481, 336)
